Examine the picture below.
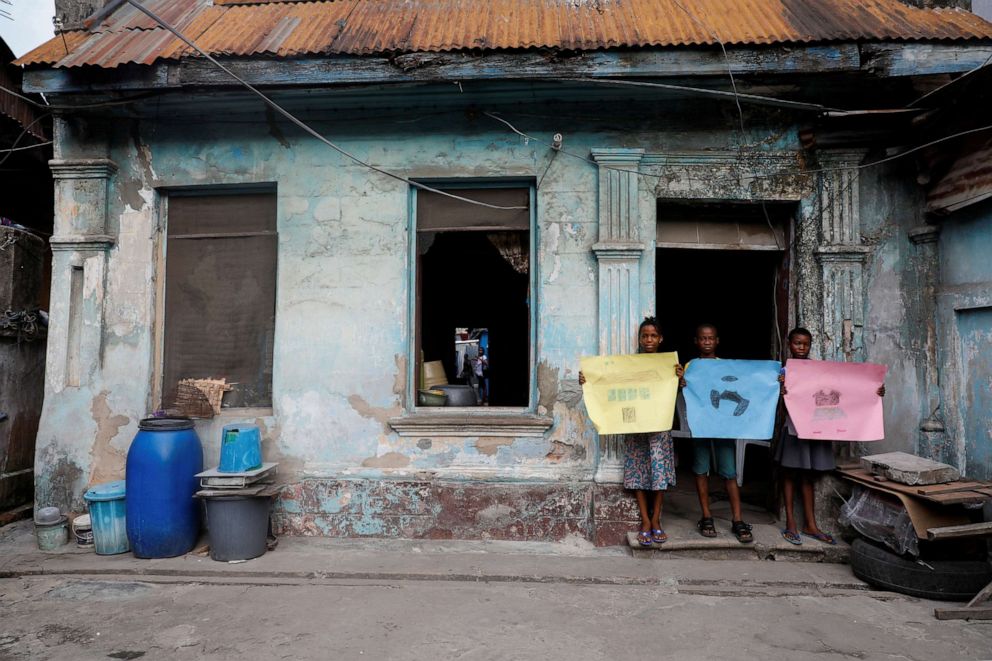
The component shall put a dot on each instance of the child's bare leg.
(734, 494)
(642, 505)
(788, 491)
(656, 510)
(703, 491)
(809, 505)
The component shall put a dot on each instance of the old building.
(548, 171)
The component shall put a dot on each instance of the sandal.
(644, 538)
(706, 527)
(742, 531)
(792, 537)
(821, 536)
(659, 536)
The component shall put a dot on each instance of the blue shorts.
(725, 450)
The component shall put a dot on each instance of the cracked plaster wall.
(341, 322)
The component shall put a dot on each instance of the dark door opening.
(724, 264)
(734, 290)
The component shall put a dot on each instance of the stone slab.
(909, 469)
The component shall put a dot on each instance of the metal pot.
(459, 395)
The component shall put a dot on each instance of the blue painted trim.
(454, 184)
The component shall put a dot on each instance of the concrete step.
(684, 541)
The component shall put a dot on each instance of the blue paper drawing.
(731, 398)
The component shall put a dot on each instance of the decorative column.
(79, 245)
(841, 256)
(932, 442)
(618, 252)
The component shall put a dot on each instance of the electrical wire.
(10, 151)
(303, 125)
(735, 96)
(40, 144)
(83, 106)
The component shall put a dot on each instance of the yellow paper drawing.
(631, 394)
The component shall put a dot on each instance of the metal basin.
(459, 395)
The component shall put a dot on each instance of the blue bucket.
(107, 515)
(240, 449)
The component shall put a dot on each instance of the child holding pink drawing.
(803, 460)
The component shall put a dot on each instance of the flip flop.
(659, 536)
(792, 537)
(821, 536)
(644, 538)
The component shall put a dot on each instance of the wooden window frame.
(410, 399)
(162, 237)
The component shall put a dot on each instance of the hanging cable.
(40, 144)
(303, 125)
(10, 151)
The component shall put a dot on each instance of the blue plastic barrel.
(240, 449)
(106, 503)
(163, 518)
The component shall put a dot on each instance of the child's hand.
(881, 390)
(781, 387)
(679, 370)
(682, 382)
(582, 378)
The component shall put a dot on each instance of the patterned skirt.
(650, 462)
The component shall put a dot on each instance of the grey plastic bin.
(237, 526)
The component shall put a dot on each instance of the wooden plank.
(956, 532)
(954, 497)
(949, 487)
(420, 67)
(901, 59)
(966, 613)
(958, 498)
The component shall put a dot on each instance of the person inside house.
(802, 460)
(649, 462)
(722, 450)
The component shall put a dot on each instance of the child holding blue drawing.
(724, 450)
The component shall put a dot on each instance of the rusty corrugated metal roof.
(968, 181)
(288, 28)
(11, 106)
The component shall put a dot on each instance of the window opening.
(220, 284)
(473, 297)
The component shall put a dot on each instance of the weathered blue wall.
(342, 333)
(965, 327)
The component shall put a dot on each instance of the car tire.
(948, 580)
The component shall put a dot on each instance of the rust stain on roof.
(968, 181)
(291, 28)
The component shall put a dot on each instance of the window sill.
(467, 422)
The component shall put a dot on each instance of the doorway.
(725, 264)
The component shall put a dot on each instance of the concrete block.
(909, 469)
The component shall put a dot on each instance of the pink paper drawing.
(834, 401)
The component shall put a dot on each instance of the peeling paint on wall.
(107, 460)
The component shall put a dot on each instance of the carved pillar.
(932, 442)
(79, 245)
(618, 252)
(841, 256)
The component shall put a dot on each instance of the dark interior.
(465, 282)
(736, 291)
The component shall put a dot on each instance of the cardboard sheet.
(731, 398)
(834, 401)
(630, 394)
